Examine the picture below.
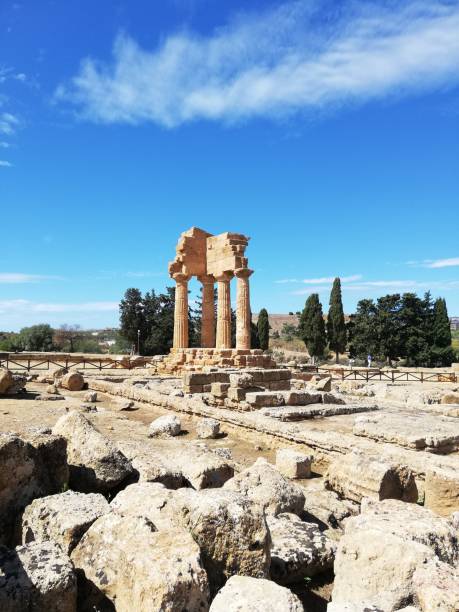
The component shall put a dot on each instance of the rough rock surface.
(383, 547)
(298, 549)
(450, 398)
(243, 594)
(442, 491)
(326, 507)
(125, 559)
(264, 485)
(436, 587)
(62, 518)
(96, 465)
(30, 467)
(208, 428)
(293, 464)
(301, 413)
(90, 396)
(38, 577)
(165, 426)
(230, 530)
(177, 464)
(6, 380)
(358, 475)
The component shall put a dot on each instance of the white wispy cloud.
(301, 56)
(443, 263)
(19, 277)
(5, 164)
(8, 123)
(4, 145)
(26, 306)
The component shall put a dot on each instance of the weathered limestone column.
(208, 312)
(181, 311)
(243, 314)
(223, 311)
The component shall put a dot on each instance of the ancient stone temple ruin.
(213, 259)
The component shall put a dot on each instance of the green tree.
(312, 327)
(442, 350)
(289, 331)
(388, 327)
(362, 330)
(263, 328)
(415, 346)
(336, 327)
(132, 318)
(160, 334)
(36, 338)
(254, 339)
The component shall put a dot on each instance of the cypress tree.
(442, 351)
(336, 328)
(312, 326)
(263, 329)
(254, 340)
(132, 317)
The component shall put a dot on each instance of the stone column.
(208, 312)
(223, 311)
(243, 314)
(181, 311)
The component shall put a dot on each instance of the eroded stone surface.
(165, 426)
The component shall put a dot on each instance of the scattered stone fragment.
(326, 507)
(17, 385)
(90, 396)
(165, 426)
(241, 380)
(125, 405)
(96, 465)
(357, 475)
(47, 397)
(298, 549)
(73, 381)
(264, 485)
(241, 593)
(442, 491)
(208, 428)
(293, 464)
(223, 452)
(62, 518)
(323, 384)
(52, 389)
(6, 380)
(38, 577)
(450, 398)
(140, 568)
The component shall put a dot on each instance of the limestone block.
(62, 518)
(436, 587)
(264, 485)
(96, 464)
(207, 428)
(236, 394)
(450, 398)
(265, 398)
(255, 595)
(442, 491)
(219, 389)
(140, 568)
(73, 381)
(6, 380)
(38, 577)
(293, 464)
(324, 384)
(244, 380)
(358, 475)
(165, 426)
(323, 506)
(301, 398)
(278, 385)
(298, 549)
(91, 397)
(52, 389)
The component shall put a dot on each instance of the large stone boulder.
(245, 594)
(450, 398)
(32, 466)
(165, 427)
(62, 518)
(207, 428)
(73, 381)
(230, 530)
(38, 577)
(383, 547)
(358, 475)
(264, 485)
(326, 508)
(6, 380)
(176, 464)
(126, 560)
(298, 549)
(96, 465)
(436, 587)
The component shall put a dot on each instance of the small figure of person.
(351, 362)
(369, 361)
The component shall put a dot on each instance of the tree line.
(393, 327)
(147, 322)
(44, 338)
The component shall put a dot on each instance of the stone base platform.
(195, 359)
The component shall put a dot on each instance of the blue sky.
(326, 131)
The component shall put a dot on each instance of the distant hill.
(277, 321)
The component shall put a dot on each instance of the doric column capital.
(224, 277)
(180, 277)
(243, 272)
(206, 279)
